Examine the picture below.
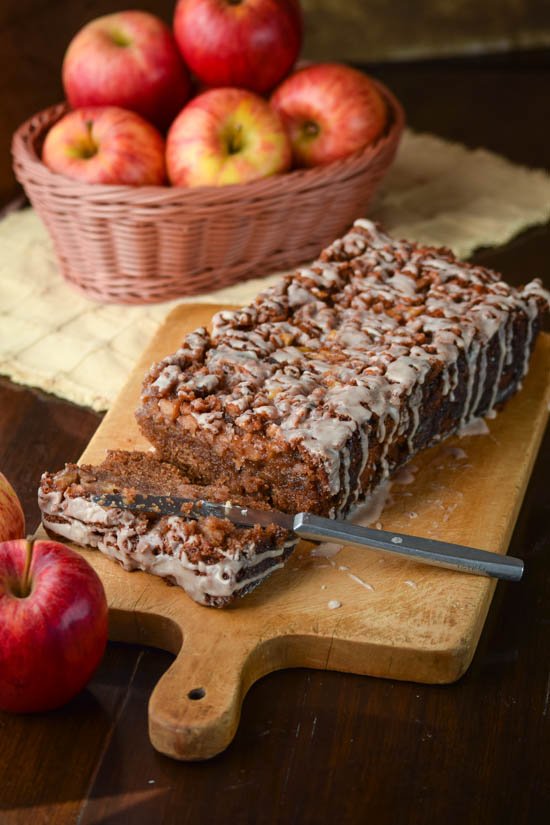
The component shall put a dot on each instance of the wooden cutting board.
(396, 619)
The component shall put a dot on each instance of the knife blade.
(317, 528)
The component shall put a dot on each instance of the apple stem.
(88, 147)
(89, 127)
(119, 38)
(235, 139)
(26, 585)
(310, 128)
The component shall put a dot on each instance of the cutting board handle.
(195, 708)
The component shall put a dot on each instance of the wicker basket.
(137, 245)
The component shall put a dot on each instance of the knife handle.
(414, 548)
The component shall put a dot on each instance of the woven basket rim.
(24, 151)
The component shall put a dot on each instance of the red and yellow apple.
(251, 44)
(131, 60)
(53, 615)
(105, 144)
(12, 519)
(329, 111)
(226, 136)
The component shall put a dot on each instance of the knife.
(317, 528)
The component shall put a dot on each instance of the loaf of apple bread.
(330, 380)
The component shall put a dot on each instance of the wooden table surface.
(316, 747)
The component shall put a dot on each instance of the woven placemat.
(53, 338)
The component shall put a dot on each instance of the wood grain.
(397, 619)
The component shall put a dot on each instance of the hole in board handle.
(196, 693)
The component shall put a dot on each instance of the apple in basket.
(330, 111)
(251, 44)
(53, 615)
(105, 144)
(131, 60)
(226, 136)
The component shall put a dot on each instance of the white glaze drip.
(116, 534)
(338, 354)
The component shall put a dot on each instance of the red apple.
(12, 520)
(247, 43)
(129, 59)
(226, 136)
(53, 615)
(329, 111)
(105, 144)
